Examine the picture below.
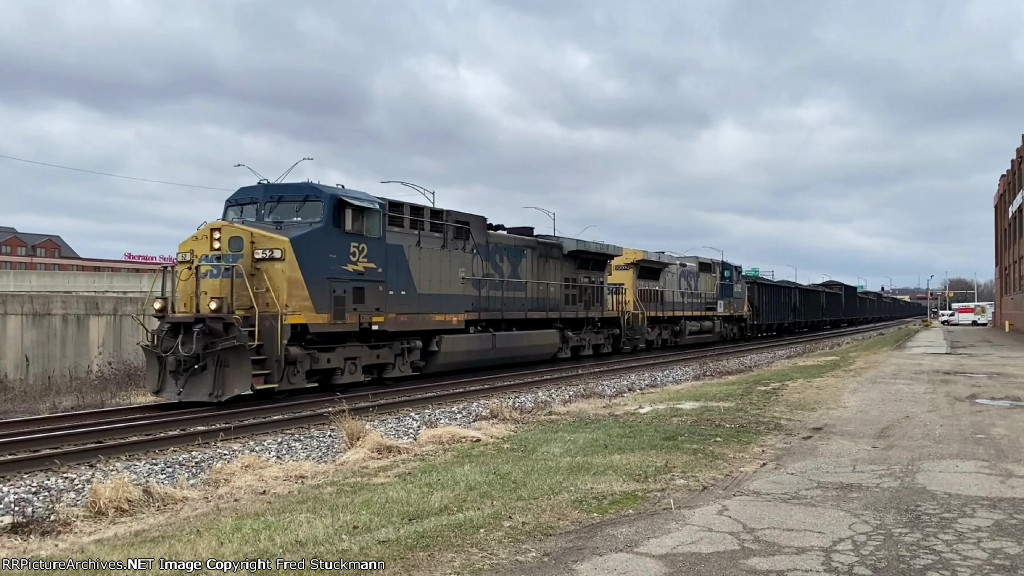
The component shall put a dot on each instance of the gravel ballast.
(34, 498)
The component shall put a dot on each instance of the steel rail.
(66, 421)
(130, 438)
(108, 429)
(12, 425)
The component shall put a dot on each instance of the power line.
(114, 175)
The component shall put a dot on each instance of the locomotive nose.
(216, 270)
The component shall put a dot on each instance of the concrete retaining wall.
(50, 334)
(39, 281)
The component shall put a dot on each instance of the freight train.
(301, 284)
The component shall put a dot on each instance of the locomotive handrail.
(248, 287)
(280, 338)
(149, 298)
(149, 294)
(672, 306)
(255, 306)
(602, 305)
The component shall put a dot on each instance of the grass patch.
(110, 382)
(470, 498)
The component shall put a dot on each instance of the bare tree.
(963, 290)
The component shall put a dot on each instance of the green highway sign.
(754, 271)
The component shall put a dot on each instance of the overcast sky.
(844, 138)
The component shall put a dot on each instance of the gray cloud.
(853, 139)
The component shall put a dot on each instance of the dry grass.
(447, 435)
(372, 446)
(351, 429)
(252, 474)
(493, 430)
(110, 382)
(118, 497)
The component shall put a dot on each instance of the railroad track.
(54, 441)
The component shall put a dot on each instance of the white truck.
(972, 313)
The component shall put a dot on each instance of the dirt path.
(908, 475)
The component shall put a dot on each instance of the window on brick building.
(21, 251)
(22, 266)
(5, 249)
(55, 267)
(5, 265)
(56, 253)
(41, 267)
(41, 252)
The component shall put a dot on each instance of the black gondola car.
(851, 307)
(810, 304)
(772, 305)
(833, 307)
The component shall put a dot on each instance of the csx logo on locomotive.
(210, 268)
(496, 259)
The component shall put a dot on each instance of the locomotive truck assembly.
(301, 284)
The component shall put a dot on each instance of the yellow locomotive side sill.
(295, 319)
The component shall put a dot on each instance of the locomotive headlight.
(216, 234)
(159, 304)
(216, 304)
(215, 239)
(216, 244)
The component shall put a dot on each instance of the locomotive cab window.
(243, 212)
(302, 211)
(360, 220)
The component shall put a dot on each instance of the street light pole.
(550, 215)
(795, 279)
(890, 283)
(823, 276)
(720, 252)
(425, 192)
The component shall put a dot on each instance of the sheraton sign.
(149, 258)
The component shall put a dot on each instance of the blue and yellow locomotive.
(300, 284)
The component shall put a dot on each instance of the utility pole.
(927, 290)
(975, 286)
(949, 303)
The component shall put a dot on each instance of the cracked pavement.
(908, 475)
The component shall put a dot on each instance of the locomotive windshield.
(245, 212)
(300, 211)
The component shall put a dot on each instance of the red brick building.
(1009, 237)
(29, 251)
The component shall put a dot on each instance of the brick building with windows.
(1009, 241)
(30, 251)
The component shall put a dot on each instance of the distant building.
(32, 251)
